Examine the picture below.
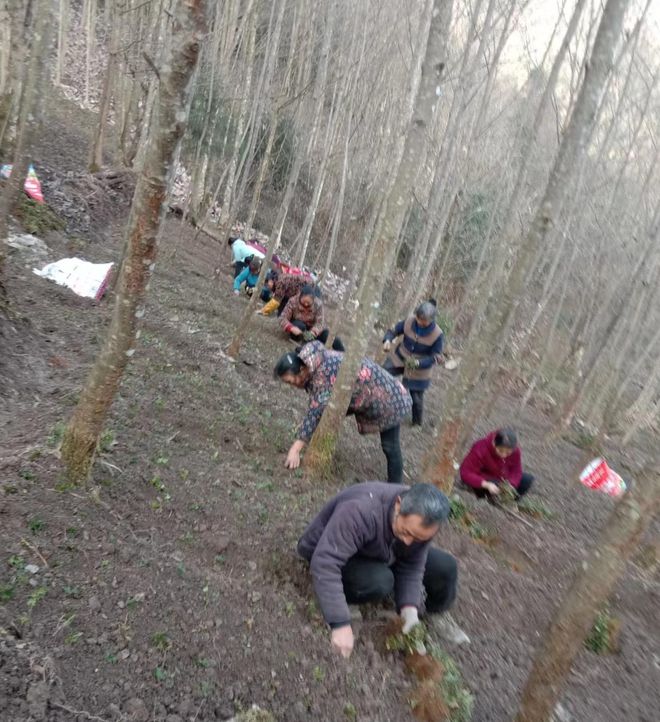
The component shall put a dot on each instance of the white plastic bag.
(86, 279)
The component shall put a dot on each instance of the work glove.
(308, 336)
(387, 346)
(411, 364)
(271, 306)
(410, 618)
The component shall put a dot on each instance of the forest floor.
(174, 592)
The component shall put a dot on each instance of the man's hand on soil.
(295, 331)
(342, 640)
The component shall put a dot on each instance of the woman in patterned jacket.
(378, 402)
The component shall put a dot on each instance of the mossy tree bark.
(147, 211)
(572, 621)
(410, 154)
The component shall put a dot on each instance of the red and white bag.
(598, 475)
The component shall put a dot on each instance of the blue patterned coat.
(379, 401)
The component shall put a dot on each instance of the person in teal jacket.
(248, 276)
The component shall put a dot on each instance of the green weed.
(161, 641)
(54, 439)
(36, 525)
(37, 595)
(603, 637)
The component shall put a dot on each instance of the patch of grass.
(73, 638)
(604, 635)
(36, 525)
(16, 561)
(535, 508)
(458, 510)
(107, 441)
(37, 595)
(7, 592)
(350, 712)
(318, 674)
(27, 474)
(160, 674)
(54, 439)
(457, 697)
(161, 641)
(38, 218)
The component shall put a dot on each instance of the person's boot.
(447, 629)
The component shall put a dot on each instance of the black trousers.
(526, 481)
(337, 345)
(391, 446)
(417, 396)
(368, 580)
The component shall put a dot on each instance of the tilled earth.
(172, 591)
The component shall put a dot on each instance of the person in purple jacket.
(378, 402)
(492, 460)
(373, 540)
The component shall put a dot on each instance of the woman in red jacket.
(492, 460)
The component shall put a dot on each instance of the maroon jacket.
(483, 464)
(359, 521)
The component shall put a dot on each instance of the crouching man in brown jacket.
(373, 540)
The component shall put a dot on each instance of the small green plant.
(204, 663)
(161, 460)
(318, 674)
(16, 561)
(457, 697)
(36, 525)
(535, 508)
(458, 509)
(111, 658)
(37, 595)
(7, 592)
(602, 638)
(350, 712)
(107, 440)
(54, 439)
(160, 674)
(73, 638)
(161, 641)
(289, 609)
(409, 643)
(27, 475)
(477, 531)
(73, 592)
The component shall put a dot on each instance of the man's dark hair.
(427, 501)
(507, 438)
(426, 311)
(288, 363)
(231, 239)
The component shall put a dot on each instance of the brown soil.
(173, 594)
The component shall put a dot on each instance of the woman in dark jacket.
(378, 402)
(416, 354)
(492, 460)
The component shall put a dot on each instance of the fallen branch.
(77, 713)
(34, 549)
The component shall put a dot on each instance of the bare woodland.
(500, 156)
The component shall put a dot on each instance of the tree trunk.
(96, 152)
(27, 117)
(600, 572)
(147, 211)
(411, 148)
